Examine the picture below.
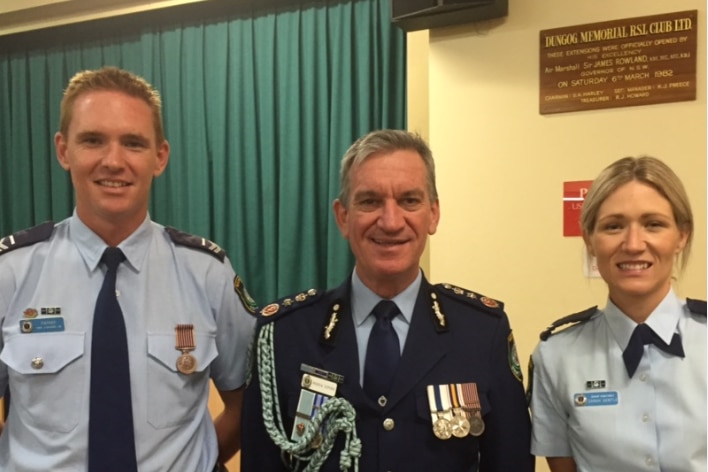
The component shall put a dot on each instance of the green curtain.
(259, 107)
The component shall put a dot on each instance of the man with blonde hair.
(112, 324)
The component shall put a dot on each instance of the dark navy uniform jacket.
(475, 345)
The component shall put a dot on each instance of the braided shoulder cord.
(335, 415)
(250, 356)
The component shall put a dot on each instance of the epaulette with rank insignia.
(575, 318)
(26, 237)
(196, 242)
(288, 304)
(478, 300)
(696, 306)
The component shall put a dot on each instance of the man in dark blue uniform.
(386, 371)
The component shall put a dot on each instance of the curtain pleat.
(258, 109)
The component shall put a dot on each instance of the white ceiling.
(23, 15)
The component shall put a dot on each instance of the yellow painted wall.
(417, 66)
(501, 164)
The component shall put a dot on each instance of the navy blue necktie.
(383, 351)
(111, 436)
(642, 335)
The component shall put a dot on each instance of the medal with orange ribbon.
(186, 363)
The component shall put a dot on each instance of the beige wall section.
(501, 164)
(417, 98)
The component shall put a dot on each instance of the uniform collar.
(91, 246)
(363, 299)
(663, 320)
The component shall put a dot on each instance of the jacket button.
(37, 363)
(389, 424)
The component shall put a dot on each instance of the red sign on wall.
(573, 197)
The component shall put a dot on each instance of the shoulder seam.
(196, 242)
(477, 300)
(574, 319)
(285, 305)
(696, 306)
(26, 237)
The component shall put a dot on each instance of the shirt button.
(388, 424)
(643, 377)
(645, 418)
(37, 363)
(649, 461)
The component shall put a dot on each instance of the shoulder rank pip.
(26, 237)
(696, 306)
(475, 299)
(286, 305)
(575, 318)
(185, 239)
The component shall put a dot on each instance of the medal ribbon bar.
(185, 337)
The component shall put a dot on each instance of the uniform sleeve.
(550, 422)
(7, 285)
(258, 452)
(3, 367)
(505, 443)
(234, 328)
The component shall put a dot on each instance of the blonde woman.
(624, 388)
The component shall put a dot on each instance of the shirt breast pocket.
(47, 378)
(175, 398)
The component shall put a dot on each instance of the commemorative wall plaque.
(634, 61)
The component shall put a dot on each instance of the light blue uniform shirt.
(653, 422)
(363, 302)
(159, 286)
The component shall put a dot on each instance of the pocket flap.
(161, 347)
(45, 353)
